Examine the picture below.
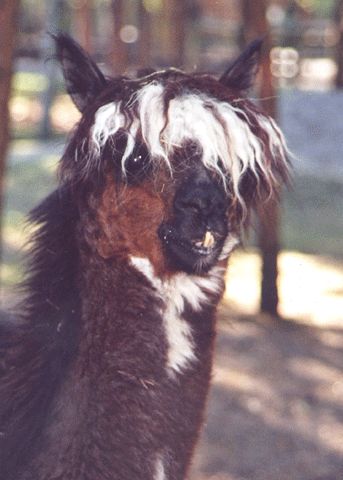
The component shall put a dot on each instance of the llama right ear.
(84, 81)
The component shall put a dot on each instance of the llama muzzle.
(194, 235)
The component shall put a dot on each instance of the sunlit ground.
(275, 408)
(310, 287)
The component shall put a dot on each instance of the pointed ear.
(241, 73)
(84, 81)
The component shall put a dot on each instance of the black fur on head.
(136, 102)
(83, 79)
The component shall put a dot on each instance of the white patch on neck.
(144, 266)
(159, 469)
(176, 292)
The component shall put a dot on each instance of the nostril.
(201, 204)
(183, 202)
(195, 204)
(200, 195)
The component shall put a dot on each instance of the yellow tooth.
(208, 240)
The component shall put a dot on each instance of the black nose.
(200, 194)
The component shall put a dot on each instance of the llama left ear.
(84, 81)
(241, 73)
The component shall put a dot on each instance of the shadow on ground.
(275, 410)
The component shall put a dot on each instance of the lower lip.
(168, 236)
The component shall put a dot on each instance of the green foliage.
(322, 8)
(27, 182)
(29, 83)
(313, 220)
(153, 6)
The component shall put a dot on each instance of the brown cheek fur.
(129, 218)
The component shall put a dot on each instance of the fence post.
(255, 25)
(8, 26)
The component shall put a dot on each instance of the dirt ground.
(275, 410)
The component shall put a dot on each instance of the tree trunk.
(175, 17)
(270, 246)
(255, 24)
(338, 19)
(145, 41)
(119, 55)
(83, 24)
(8, 16)
(55, 13)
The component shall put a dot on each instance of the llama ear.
(241, 73)
(84, 81)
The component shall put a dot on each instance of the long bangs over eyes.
(233, 138)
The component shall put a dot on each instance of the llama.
(106, 370)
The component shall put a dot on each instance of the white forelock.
(223, 131)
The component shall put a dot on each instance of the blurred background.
(276, 409)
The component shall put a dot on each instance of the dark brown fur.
(85, 389)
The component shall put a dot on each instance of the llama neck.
(140, 339)
(145, 351)
(103, 409)
(131, 301)
(121, 317)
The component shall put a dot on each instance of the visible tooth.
(208, 240)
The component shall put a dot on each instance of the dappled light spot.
(306, 286)
(29, 82)
(64, 114)
(310, 287)
(25, 110)
(15, 236)
(317, 73)
(237, 379)
(242, 281)
(312, 369)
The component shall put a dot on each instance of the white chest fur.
(176, 292)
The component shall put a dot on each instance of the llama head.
(171, 163)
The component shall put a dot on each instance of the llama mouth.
(202, 250)
(206, 245)
(187, 253)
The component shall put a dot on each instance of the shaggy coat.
(104, 374)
